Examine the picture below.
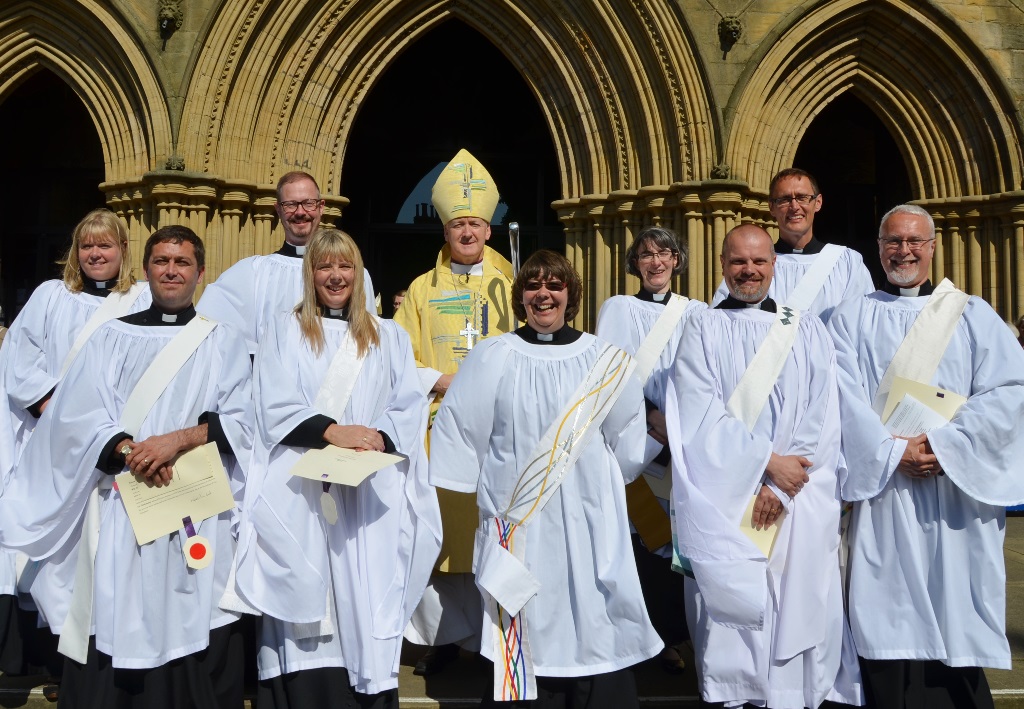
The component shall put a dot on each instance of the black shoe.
(436, 659)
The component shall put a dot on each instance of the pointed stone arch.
(296, 73)
(936, 93)
(91, 49)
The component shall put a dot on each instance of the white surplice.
(373, 563)
(589, 615)
(31, 359)
(764, 630)
(927, 577)
(849, 278)
(258, 288)
(148, 606)
(625, 321)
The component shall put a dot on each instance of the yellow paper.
(342, 465)
(764, 539)
(945, 403)
(198, 489)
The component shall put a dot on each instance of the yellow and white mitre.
(464, 189)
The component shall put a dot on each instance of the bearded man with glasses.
(809, 275)
(927, 583)
(250, 293)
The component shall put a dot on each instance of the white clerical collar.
(336, 312)
(165, 317)
(660, 297)
(546, 336)
(100, 284)
(756, 305)
(798, 251)
(300, 250)
(461, 269)
(910, 292)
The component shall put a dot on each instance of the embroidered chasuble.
(444, 313)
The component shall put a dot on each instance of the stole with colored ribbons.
(501, 570)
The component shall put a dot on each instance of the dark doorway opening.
(860, 172)
(451, 89)
(50, 171)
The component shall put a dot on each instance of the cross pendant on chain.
(470, 333)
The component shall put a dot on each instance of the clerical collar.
(730, 303)
(811, 247)
(565, 336)
(925, 288)
(648, 297)
(462, 269)
(94, 287)
(292, 250)
(334, 314)
(153, 316)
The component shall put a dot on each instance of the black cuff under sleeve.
(309, 433)
(389, 445)
(651, 406)
(664, 457)
(215, 432)
(35, 408)
(111, 461)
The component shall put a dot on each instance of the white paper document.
(912, 418)
(199, 489)
(763, 539)
(343, 466)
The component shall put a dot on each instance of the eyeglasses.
(803, 199)
(291, 205)
(894, 244)
(649, 256)
(553, 286)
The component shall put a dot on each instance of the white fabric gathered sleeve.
(25, 375)
(234, 404)
(50, 486)
(717, 465)
(280, 403)
(625, 430)
(231, 299)
(870, 452)
(721, 293)
(462, 427)
(405, 414)
(981, 449)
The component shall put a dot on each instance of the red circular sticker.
(197, 551)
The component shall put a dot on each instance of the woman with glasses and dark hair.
(97, 285)
(336, 570)
(546, 425)
(649, 325)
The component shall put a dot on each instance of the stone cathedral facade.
(672, 112)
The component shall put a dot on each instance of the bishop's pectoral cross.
(470, 333)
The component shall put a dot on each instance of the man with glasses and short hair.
(809, 275)
(253, 290)
(926, 579)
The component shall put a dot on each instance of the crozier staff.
(336, 570)
(546, 425)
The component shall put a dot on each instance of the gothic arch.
(91, 49)
(934, 91)
(277, 85)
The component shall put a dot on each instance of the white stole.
(752, 392)
(814, 278)
(74, 638)
(650, 350)
(918, 356)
